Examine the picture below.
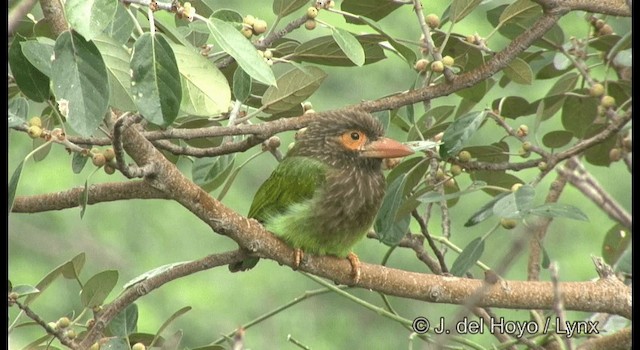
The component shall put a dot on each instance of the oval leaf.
(486, 211)
(282, 8)
(457, 134)
(210, 173)
(519, 71)
(578, 113)
(386, 218)
(79, 78)
(18, 111)
(116, 59)
(155, 79)
(294, 87)
(325, 50)
(616, 241)
(90, 17)
(554, 210)
(236, 45)
(516, 204)
(33, 83)
(374, 9)
(125, 322)
(349, 45)
(557, 138)
(459, 9)
(97, 288)
(241, 85)
(39, 54)
(468, 257)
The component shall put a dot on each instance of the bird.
(323, 197)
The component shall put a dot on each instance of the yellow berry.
(615, 154)
(448, 61)
(599, 23)
(14, 296)
(247, 32)
(312, 12)
(306, 106)
(98, 159)
(596, 90)
(439, 175)
(95, 346)
(35, 121)
(464, 156)
(260, 26)
(71, 334)
(437, 66)
(627, 143)
(109, 154)
(456, 170)
(522, 131)
(421, 65)
(52, 325)
(524, 153)
(605, 30)
(508, 223)
(527, 146)
(249, 20)
(542, 166)
(331, 4)
(63, 322)
(34, 131)
(607, 101)
(109, 170)
(138, 346)
(471, 39)
(268, 54)
(451, 183)
(310, 24)
(515, 187)
(433, 20)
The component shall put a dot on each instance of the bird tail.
(243, 265)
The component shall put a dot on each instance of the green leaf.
(210, 173)
(554, 210)
(557, 138)
(47, 280)
(13, 184)
(615, 243)
(116, 59)
(486, 211)
(468, 257)
(495, 178)
(18, 111)
(97, 288)
(282, 8)
(84, 198)
(90, 17)
(515, 9)
(459, 132)
(205, 90)
(228, 15)
(155, 79)
(598, 154)
(172, 318)
(433, 196)
(477, 92)
(519, 71)
(565, 84)
(121, 25)
(406, 52)
(459, 9)
(386, 218)
(374, 9)
(33, 83)
(241, 85)
(115, 344)
(39, 54)
(545, 258)
(578, 113)
(349, 45)
(71, 269)
(78, 161)
(24, 290)
(79, 78)
(125, 322)
(512, 106)
(294, 87)
(516, 204)
(236, 45)
(324, 50)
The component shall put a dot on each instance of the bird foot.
(355, 266)
(298, 254)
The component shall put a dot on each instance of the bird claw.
(298, 254)
(355, 266)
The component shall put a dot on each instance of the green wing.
(295, 180)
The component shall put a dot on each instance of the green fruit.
(247, 32)
(608, 101)
(456, 170)
(421, 65)
(508, 223)
(138, 346)
(34, 131)
(542, 166)
(306, 106)
(71, 334)
(464, 156)
(524, 153)
(605, 30)
(95, 346)
(98, 159)
(471, 39)
(312, 12)
(109, 170)
(35, 121)
(260, 26)
(109, 154)
(439, 175)
(310, 24)
(63, 322)
(437, 66)
(451, 183)
(522, 131)
(448, 61)
(268, 54)
(615, 154)
(433, 20)
(527, 146)
(596, 90)
(249, 20)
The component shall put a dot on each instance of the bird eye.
(353, 140)
(355, 136)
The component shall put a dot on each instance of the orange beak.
(385, 148)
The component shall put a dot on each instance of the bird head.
(348, 138)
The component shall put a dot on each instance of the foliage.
(507, 106)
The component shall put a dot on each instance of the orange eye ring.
(353, 140)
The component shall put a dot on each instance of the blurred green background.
(139, 235)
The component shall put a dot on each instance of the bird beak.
(385, 148)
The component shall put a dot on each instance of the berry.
(599, 23)
(109, 170)
(95, 346)
(439, 175)
(71, 334)
(35, 121)
(527, 146)
(98, 159)
(310, 24)
(433, 20)
(607, 101)
(34, 131)
(524, 153)
(627, 143)
(247, 32)
(456, 170)
(437, 66)
(542, 166)
(448, 61)
(522, 131)
(63, 322)
(260, 26)
(268, 54)
(596, 90)
(421, 65)
(508, 223)
(464, 156)
(109, 154)
(306, 106)
(249, 20)
(451, 183)
(515, 187)
(138, 346)
(615, 154)
(471, 39)
(53, 325)
(605, 30)
(312, 12)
